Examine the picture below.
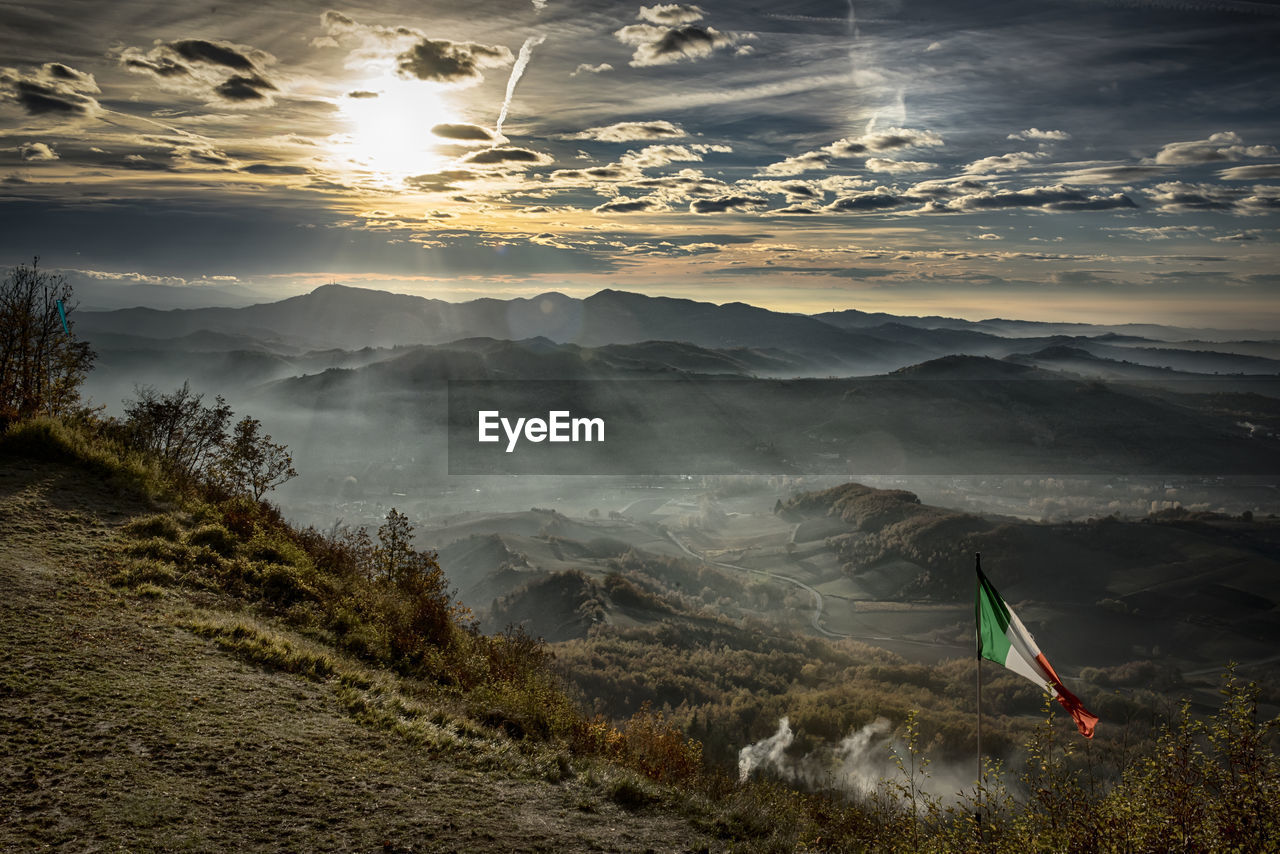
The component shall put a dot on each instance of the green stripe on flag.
(993, 622)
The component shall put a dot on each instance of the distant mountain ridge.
(838, 343)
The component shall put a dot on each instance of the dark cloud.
(598, 173)
(275, 169)
(505, 154)
(238, 88)
(622, 205)
(441, 182)
(444, 61)
(863, 202)
(199, 50)
(724, 204)
(161, 66)
(464, 132)
(793, 209)
(36, 152)
(58, 71)
(632, 131)
(671, 36)
(797, 189)
(663, 46)
(1182, 197)
(53, 90)
(360, 93)
(197, 66)
(1058, 197)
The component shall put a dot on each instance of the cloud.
(671, 14)
(724, 204)
(36, 152)
(652, 156)
(1183, 197)
(868, 202)
(685, 183)
(199, 67)
(359, 93)
(672, 36)
(1251, 173)
(808, 162)
(1112, 174)
(1158, 232)
(897, 167)
(443, 61)
(52, 90)
(158, 65)
(242, 88)
(1036, 133)
(275, 169)
(1057, 197)
(1225, 146)
(465, 133)
(890, 139)
(502, 155)
(625, 205)
(584, 68)
(1239, 237)
(441, 182)
(213, 53)
(1010, 162)
(632, 131)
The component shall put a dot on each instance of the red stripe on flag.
(1085, 719)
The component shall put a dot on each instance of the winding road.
(818, 603)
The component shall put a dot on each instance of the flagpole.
(977, 666)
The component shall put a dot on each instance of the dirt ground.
(120, 731)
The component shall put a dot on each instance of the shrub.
(214, 537)
(159, 525)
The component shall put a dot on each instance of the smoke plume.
(860, 764)
(769, 752)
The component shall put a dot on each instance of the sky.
(1094, 160)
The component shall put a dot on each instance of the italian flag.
(1003, 639)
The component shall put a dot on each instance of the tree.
(42, 365)
(188, 436)
(253, 464)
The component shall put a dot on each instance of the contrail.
(526, 51)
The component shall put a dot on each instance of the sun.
(388, 129)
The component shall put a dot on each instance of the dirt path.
(121, 732)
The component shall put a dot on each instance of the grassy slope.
(122, 730)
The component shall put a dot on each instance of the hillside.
(232, 686)
(117, 689)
